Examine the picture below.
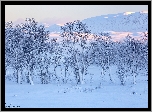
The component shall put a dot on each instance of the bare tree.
(77, 33)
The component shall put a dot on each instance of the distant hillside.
(118, 25)
(134, 22)
(121, 22)
(53, 28)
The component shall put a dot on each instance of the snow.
(63, 96)
(123, 23)
(97, 93)
(129, 23)
(59, 79)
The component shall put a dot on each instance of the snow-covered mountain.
(118, 25)
(53, 28)
(121, 22)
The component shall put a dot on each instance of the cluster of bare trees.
(27, 48)
(24, 43)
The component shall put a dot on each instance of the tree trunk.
(134, 78)
(18, 76)
(109, 70)
(134, 68)
(83, 69)
(102, 73)
(55, 72)
(30, 78)
(66, 69)
(80, 75)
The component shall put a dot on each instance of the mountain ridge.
(121, 22)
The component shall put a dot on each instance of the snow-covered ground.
(61, 91)
(95, 93)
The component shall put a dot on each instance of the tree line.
(27, 48)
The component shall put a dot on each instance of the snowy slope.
(118, 25)
(121, 22)
(53, 28)
(64, 96)
(94, 94)
(135, 22)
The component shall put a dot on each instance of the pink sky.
(116, 36)
(60, 14)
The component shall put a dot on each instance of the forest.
(31, 58)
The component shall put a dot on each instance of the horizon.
(60, 17)
(60, 14)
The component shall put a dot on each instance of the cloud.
(127, 13)
(19, 21)
(54, 34)
(143, 11)
(116, 16)
(116, 36)
(54, 20)
(60, 24)
(46, 25)
(119, 36)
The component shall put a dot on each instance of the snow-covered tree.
(67, 60)
(103, 52)
(8, 42)
(34, 44)
(13, 50)
(131, 58)
(144, 54)
(77, 33)
(122, 63)
(25, 42)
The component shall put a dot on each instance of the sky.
(60, 14)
